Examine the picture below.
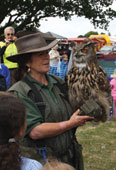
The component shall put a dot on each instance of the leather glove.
(91, 108)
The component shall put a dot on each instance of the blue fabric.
(30, 164)
(6, 73)
(63, 69)
(42, 152)
(53, 70)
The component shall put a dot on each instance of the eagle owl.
(86, 79)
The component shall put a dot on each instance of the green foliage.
(102, 33)
(80, 36)
(26, 14)
(90, 33)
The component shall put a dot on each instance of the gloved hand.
(91, 108)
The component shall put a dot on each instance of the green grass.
(99, 145)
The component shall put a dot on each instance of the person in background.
(51, 122)
(64, 66)
(113, 86)
(54, 164)
(7, 48)
(4, 71)
(54, 61)
(12, 128)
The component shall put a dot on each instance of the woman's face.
(39, 62)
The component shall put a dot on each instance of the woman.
(12, 128)
(51, 122)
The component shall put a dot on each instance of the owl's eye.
(83, 50)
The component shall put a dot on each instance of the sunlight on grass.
(99, 145)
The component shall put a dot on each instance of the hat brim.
(15, 58)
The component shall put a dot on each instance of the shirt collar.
(50, 79)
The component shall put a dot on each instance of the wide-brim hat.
(30, 44)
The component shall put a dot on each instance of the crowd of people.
(37, 121)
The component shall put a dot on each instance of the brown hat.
(30, 44)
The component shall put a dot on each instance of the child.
(12, 128)
(113, 86)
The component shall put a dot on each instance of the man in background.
(8, 48)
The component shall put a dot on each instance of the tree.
(26, 14)
(90, 33)
(80, 36)
(102, 33)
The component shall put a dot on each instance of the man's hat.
(30, 44)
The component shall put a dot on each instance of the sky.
(74, 27)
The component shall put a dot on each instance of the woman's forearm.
(45, 130)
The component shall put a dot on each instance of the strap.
(43, 152)
(38, 98)
(37, 95)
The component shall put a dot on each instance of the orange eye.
(83, 50)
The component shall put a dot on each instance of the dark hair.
(22, 68)
(12, 118)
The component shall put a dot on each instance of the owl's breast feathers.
(94, 77)
(90, 81)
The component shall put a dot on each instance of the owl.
(87, 80)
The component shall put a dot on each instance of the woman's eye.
(40, 54)
(44, 53)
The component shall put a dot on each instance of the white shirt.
(53, 58)
(30, 164)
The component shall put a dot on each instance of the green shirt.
(57, 109)
(34, 116)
